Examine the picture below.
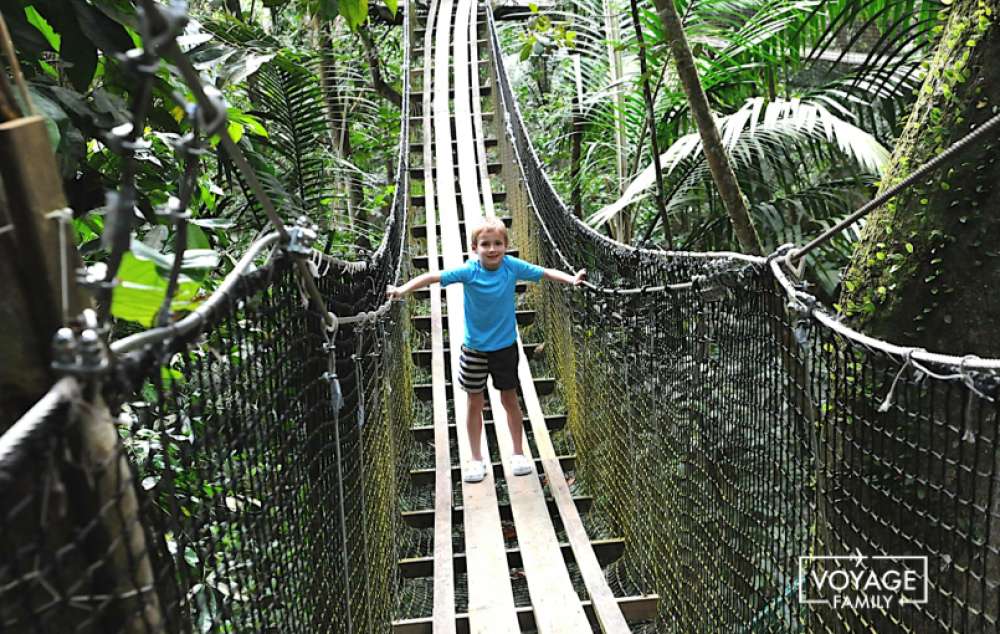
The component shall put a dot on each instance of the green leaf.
(141, 290)
(80, 54)
(193, 258)
(393, 5)
(197, 239)
(235, 131)
(249, 122)
(527, 48)
(108, 35)
(328, 9)
(40, 23)
(27, 38)
(354, 11)
(53, 114)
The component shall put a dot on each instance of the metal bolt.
(64, 347)
(90, 347)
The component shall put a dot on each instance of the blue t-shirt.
(490, 322)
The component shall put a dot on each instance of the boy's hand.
(392, 292)
(581, 275)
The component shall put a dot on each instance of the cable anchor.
(81, 352)
(301, 238)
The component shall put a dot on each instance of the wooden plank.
(544, 385)
(420, 231)
(418, 172)
(608, 613)
(640, 609)
(556, 605)
(418, 146)
(477, 123)
(444, 577)
(491, 599)
(425, 433)
(554, 601)
(426, 476)
(607, 551)
(424, 518)
(417, 200)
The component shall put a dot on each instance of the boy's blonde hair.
(489, 224)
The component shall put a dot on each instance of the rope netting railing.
(741, 440)
(235, 470)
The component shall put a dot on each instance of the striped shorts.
(476, 366)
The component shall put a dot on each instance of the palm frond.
(759, 133)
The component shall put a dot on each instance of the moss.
(913, 251)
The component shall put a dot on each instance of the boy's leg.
(515, 421)
(472, 372)
(474, 422)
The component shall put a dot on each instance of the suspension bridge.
(704, 435)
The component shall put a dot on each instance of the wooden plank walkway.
(491, 598)
(454, 142)
(554, 601)
(444, 578)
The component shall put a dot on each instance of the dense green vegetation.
(300, 104)
(312, 88)
(810, 98)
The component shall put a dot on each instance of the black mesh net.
(248, 481)
(744, 448)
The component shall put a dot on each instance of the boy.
(490, 346)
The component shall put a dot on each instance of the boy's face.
(491, 247)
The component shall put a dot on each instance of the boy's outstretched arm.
(558, 276)
(420, 281)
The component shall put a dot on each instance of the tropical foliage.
(300, 105)
(794, 83)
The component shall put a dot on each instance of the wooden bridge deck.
(454, 142)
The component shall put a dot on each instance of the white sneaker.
(520, 465)
(474, 471)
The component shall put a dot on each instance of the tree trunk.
(621, 224)
(576, 151)
(926, 270)
(375, 65)
(647, 95)
(715, 152)
(340, 134)
(233, 7)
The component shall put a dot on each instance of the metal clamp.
(213, 118)
(301, 238)
(119, 140)
(84, 354)
(189, 145)
(138, 62)
(175, 210)
(160, 30)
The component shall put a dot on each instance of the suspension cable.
(797, 254)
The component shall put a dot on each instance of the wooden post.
(39, 292)
(29, 264)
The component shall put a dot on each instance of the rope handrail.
(938, 161)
